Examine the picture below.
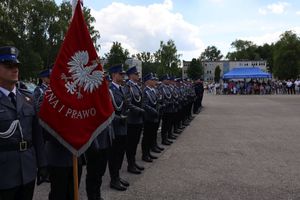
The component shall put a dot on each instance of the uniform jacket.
(20, 167)
(165, 90)
(135, 115)
(104, 139)
(121, 110)
(150, 105)
(38, 96)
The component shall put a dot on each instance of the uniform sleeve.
(38, 143)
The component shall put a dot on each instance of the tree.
(244, 50)
(286, 56)
(117, 54)
(217, 74)
(148, 63)
(168, 59)
(145, 57)
(195, 70)
(211, 53)
(266, 52)
(37, 29)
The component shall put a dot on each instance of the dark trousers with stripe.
(150, 129)
(95, 168)
(134, 132)
(116, 156)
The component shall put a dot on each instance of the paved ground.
(237, 148)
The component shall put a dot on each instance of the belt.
(18, 146)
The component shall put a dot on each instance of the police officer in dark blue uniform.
(167, 118)
(21, 139)
(59, 158)
(119, 126)
(150, 104)
(40, 90)
(134, 120)
(97, 158)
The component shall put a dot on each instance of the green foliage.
(195, 70)
(286, 56)
(117, 54)
(266, 52)
(245, 50)
(37, 29)
(168, 59)
(217, 74)
(211, 53)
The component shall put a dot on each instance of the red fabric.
(70, 117)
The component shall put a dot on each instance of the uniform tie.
(12, 97)
(120, 88)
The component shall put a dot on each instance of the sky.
(192, 24)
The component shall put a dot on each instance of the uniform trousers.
(134, 132)
(166, 126)
(62, 182)
(154, 136)
(116, 156)
(95, 168)
(150, 128)
(22, 192)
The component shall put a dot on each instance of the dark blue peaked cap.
(9, 54)
(165, 77)
(116, 69)
(132, 70)
(45, 73)
(148, 77)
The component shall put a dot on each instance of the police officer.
(40, 90)
(60, 159)
(97, 158)
(134, 120)
(151, 116)
(21, 141)
(119, 126)
(167, 118)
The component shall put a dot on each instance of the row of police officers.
(141, 108)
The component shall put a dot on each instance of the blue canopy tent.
(243, 73)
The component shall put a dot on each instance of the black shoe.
(147, 159)
(133, 170)
(123, 182)
(172, 137)
(178, 131)
(139, 167)
(167, 142)
(117, 185)
(160, 148)
(152, 156)
(155, 150)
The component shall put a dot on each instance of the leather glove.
(42, 176)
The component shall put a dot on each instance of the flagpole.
(75, 177)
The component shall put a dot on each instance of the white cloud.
(269, 38)
(275, 8)
(141, 28)
(298, 12)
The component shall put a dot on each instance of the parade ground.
(237, 148)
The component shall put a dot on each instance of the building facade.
(209, 67)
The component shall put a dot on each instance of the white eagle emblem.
(82, 76)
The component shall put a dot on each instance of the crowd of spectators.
(258, 87)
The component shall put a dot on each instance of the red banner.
(77, 106)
